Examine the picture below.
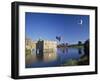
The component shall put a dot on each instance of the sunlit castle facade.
(30, 51)
(50, 50)
(46, 50)
(30, 45)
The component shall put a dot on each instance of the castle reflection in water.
(42, 50)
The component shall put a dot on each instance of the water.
(63, 55)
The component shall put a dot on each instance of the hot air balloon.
(58, 38)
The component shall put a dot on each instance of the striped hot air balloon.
(58, 38)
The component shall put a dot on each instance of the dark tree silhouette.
(86, 52)
(79, 43)
(86, 48)
(84, 60)
(79, 49)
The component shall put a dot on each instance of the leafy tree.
(79, 43)
(27, 51)
(86, 48)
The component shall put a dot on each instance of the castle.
(43, 50)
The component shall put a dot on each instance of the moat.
(64, 56)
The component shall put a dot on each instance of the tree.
(27, 51)
(86, 48)
(79, 49)
(79, 43)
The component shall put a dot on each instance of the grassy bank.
(82, 61)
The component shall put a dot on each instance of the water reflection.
(80, 50)
(63, 50)
(52, 57)
(45, 55)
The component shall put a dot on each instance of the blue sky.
(47, 26)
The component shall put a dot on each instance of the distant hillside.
(72, 45)
(76, 45)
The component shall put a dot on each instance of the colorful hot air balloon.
(58, 38)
